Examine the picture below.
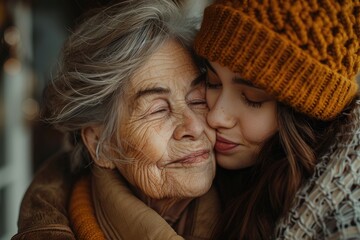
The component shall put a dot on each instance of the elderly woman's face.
(166, 131)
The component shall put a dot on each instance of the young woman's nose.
(189, 126)
(221, 114)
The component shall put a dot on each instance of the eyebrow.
(152, 91)
(161, 90)
(237, 80)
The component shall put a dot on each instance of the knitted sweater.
(328, 206)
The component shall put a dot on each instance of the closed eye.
(213, 85)
(212, 81)
(160, 106)
(161, 110)
(250, 103)
(196, 102)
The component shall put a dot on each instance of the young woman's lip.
(223, 145)
(224, 140)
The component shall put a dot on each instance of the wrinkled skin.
(166, 131)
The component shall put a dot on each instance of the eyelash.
(210, 85)
(198, 102)
(245, 99)
(251, 103)
(160, 109)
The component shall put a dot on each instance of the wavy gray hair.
(98, 61)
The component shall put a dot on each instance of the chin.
(190, 182)
(187, 189)
(199, 186)
(181, 190)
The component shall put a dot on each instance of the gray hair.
(98, 61)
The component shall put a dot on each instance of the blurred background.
(31, 35)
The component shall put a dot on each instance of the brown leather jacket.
(43, 211)
(44, 215)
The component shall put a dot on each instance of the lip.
(193, 158)
(223, 145)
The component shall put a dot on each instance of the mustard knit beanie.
(304, 52)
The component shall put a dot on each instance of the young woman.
(283, 99)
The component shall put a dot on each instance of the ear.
(90, 136)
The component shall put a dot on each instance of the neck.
(117, 207)
(168, 208)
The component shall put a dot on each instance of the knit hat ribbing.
(305, 53)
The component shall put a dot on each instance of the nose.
(189, 125)
(221, 114)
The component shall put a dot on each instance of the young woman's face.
(243, 115)
(166, 131)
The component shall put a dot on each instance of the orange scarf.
(81, 211)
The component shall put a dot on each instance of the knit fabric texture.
(328, 206)
(304, 53)
(81, 211)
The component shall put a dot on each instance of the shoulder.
(50, 231)
(328, 205)
(43, 211)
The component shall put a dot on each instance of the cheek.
(146, 141)
(142, 171)
(146, 145)
(209, 132)
(257, 128)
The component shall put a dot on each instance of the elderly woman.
(129, 95)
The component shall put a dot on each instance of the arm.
(43, 211)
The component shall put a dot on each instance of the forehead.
(171, 65)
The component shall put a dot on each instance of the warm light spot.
(12, 66)
(12, 36)
(30, 108)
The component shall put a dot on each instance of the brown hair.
(263, 193)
